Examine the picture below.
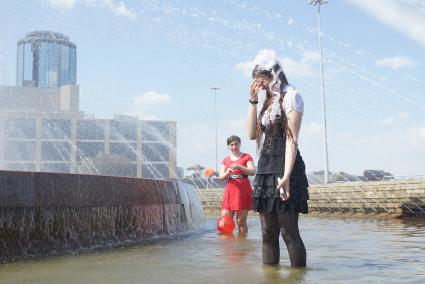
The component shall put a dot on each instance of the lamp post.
(215, 89)
(318, 3)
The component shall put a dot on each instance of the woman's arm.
(252, 111)
(223, 172)
(294, 124)
(249, 169)
(252, 121)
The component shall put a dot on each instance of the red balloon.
(225, 224)
(209, 172)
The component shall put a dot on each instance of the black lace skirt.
(266, 198)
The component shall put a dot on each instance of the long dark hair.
(278, 86)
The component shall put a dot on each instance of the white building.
(42, 129)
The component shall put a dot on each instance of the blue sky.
(158, 60)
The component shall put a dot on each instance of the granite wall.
(401, 197)
(45, 213)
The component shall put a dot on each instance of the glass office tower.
(47, 60)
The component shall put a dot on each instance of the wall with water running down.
(400, 197)
(45, 213)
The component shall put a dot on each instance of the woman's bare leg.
(241, 217)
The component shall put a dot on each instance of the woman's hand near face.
(252, 109)
(255, 88)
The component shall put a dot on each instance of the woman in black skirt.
(280, 186)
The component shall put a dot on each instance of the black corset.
(272, 156)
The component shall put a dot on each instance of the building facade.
(46, 60)
(43, 129)
(73, 143)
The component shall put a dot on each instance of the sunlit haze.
(159, 60)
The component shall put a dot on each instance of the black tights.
(285, 223)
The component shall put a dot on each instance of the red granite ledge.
(44, 189)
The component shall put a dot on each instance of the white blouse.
(292, 100)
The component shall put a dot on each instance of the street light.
(318, 3)
(215, 89)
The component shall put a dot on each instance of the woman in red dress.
(237, 196)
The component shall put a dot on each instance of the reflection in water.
(416, 223)
(279, 274)
(233, 247)
(339, 250)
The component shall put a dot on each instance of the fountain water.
(45, 213)
(48, 213)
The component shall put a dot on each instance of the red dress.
(238, 192)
